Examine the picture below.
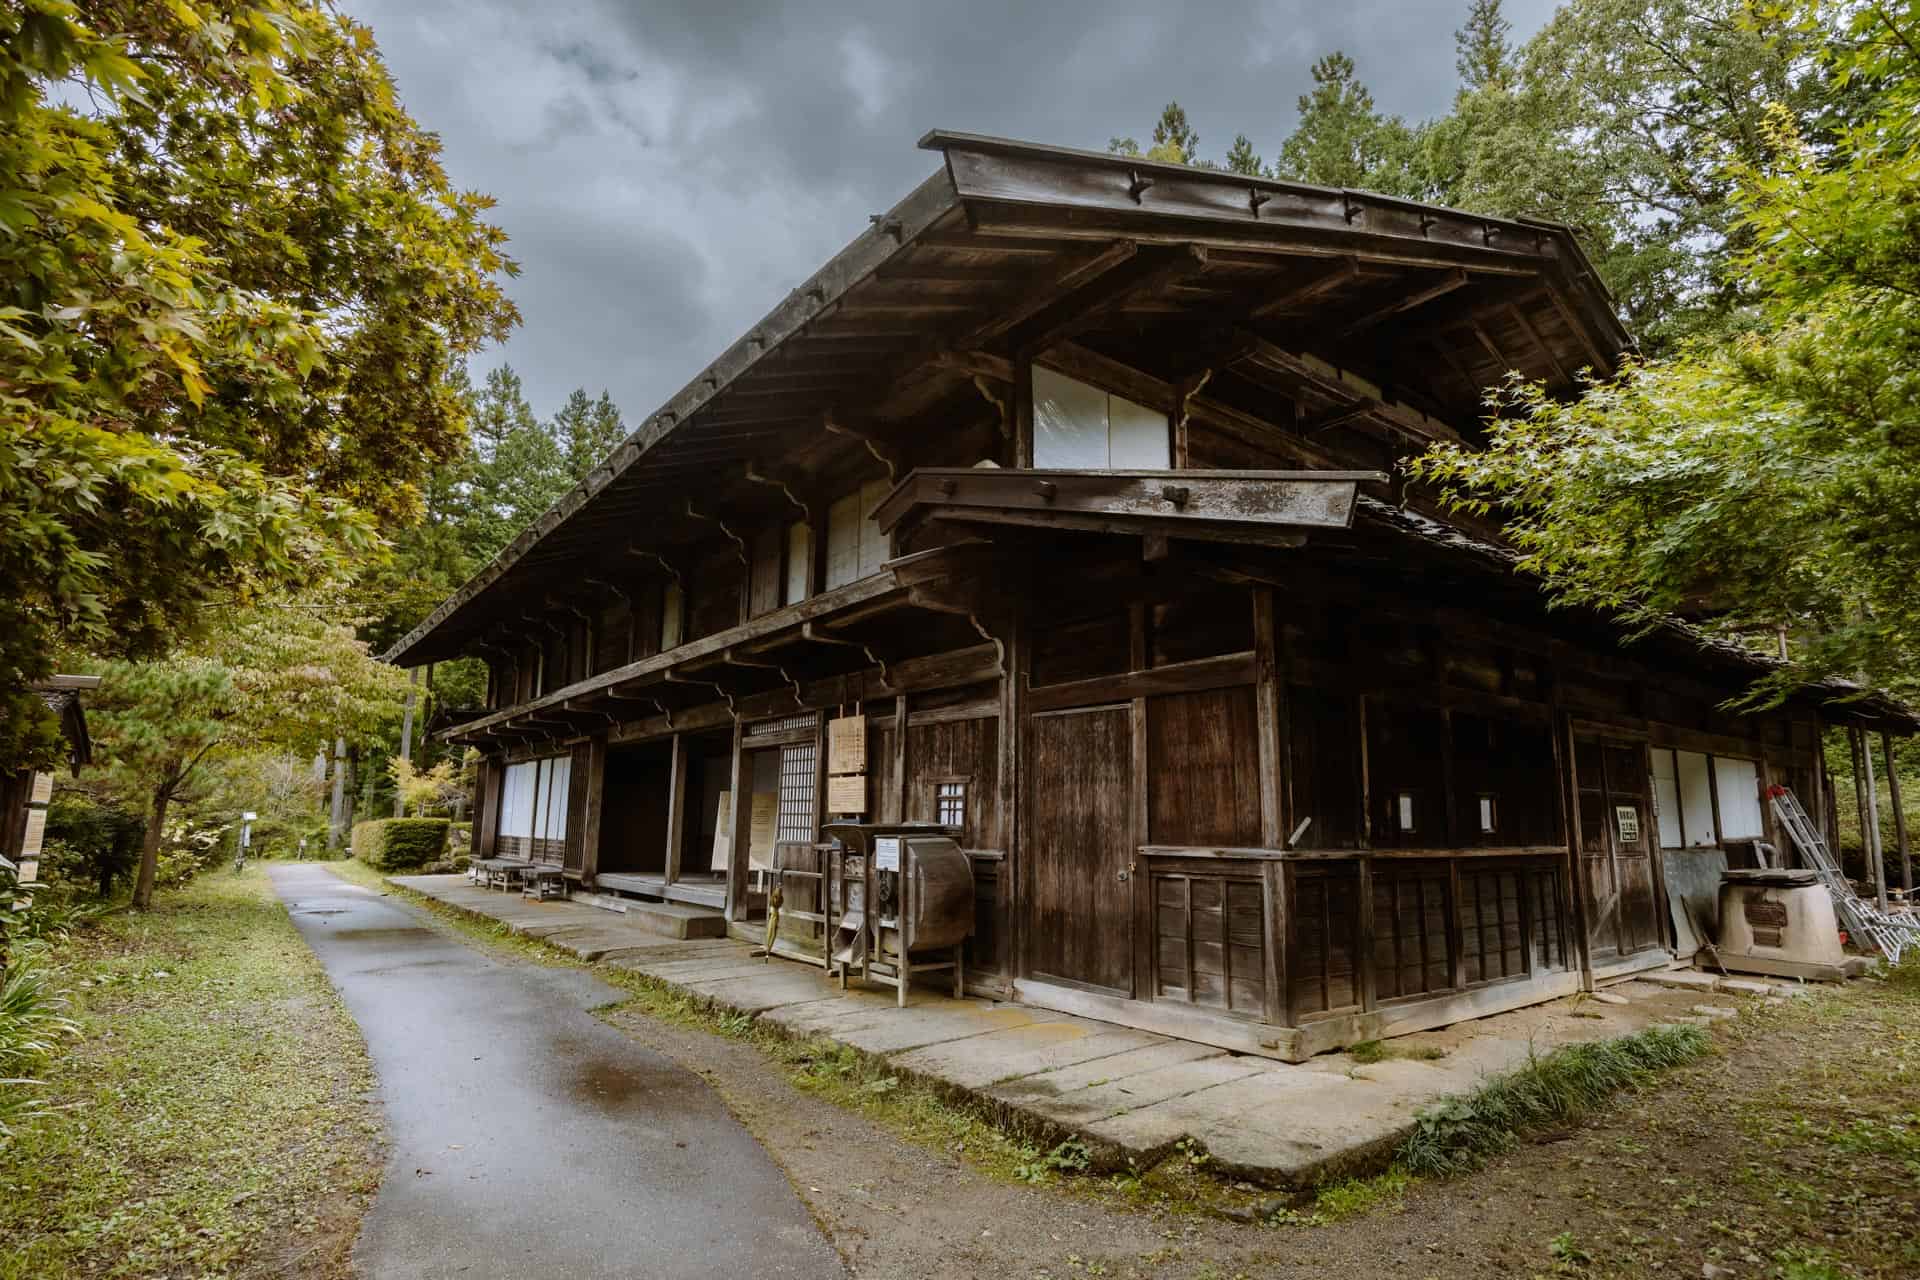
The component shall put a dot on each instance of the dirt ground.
(1791, 1152)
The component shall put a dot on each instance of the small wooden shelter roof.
(1367, 311)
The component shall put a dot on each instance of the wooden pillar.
(899, 797)
(742, 818)
(676, 809)
(1012, 731)
(1899, 816)
(1855, 749)
(1022, 411)
(1870, 822)
(1140, 817)
(595, 783)
(1270, 721)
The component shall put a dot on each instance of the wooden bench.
(505, 874)
(543, 883)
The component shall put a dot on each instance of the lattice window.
(786, 724)
(950, 803)
(796, 794)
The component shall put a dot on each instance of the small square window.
(1489, 815)
(950, 804)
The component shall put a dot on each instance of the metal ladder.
(1891, 935)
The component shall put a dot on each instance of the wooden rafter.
(1082, 309)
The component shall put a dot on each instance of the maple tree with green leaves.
(1769, 475)
(233, 281)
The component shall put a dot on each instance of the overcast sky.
(669, 169)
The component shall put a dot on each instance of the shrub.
(400, 844)
(90, 842)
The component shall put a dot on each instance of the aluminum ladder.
(1890, 934)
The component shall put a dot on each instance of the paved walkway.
(530, 1139)
(1132, 1094)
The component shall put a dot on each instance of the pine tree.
(1342, 140)
(1174, 140)
(587, 430)
(1241, 158)
(1484, 56)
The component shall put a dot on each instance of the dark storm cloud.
(669, 169)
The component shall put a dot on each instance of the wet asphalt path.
(530, 1139)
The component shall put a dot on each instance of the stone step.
(676, 920)
(1685, 979)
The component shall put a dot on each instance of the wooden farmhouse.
(1063, 509)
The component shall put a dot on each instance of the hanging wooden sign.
(763, 828)
(1628, 819)
(847, 745)
(847, 794)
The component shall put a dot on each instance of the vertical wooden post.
(1363, 930)
(1012, 890)
(899, 797)
(1713, 795)
(1362, 776)
(1899, 816)
(1870, 824)
(1140, 818)
(742, 800)
(1022, 411)
(1856, 748)
(1279, 937)
(1269, 719)
(596, 785)
(1449, 802)
(676, 809)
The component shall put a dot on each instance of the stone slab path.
(1134, 1094)
(528, 1137)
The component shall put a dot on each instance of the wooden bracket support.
(785, 485)
(667, 566)
(882, 452)
(740, 547)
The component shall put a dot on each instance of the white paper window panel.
(873, 543)
(516, 800)
(1069, 423)
(1137, 436)
(855, 545)
(1696, 800)
(1739, 785)
(1666, 795)
(843, 541)
(555, 782)
(672, 606)
(799, 557)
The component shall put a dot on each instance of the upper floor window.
(673, 611)
(855, 545)
(1079, 427)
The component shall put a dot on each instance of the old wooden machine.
(901, 897)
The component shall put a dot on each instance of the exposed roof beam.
(1036, 299)
(1082, 309)
(1336, 277)
(1533, 336)
(1454, 279)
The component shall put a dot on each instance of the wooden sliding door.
(1616, 860)
(1077, 845)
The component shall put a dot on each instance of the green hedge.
(400, 844)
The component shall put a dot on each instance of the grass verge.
(1553, 1089)
(209, 1122)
